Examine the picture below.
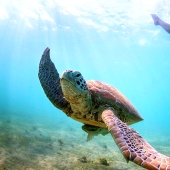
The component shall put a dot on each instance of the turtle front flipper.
(50, 81)
(133, 146)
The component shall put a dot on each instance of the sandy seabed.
(25, 145)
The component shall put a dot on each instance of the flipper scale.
(133, 146)
(50, 81)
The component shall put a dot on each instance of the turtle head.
(74, 87)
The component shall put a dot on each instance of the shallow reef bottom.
(43, 145)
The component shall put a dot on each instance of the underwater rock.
(61, 143)
(83, 159)
(103, 161)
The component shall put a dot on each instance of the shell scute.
(109, 97)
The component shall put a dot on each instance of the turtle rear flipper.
(50, 81)
(133, 146)
(94, 131)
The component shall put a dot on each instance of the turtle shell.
(105, 96)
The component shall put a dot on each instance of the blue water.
(110, 41)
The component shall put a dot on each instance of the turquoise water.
(110, 41)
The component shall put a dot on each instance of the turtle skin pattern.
(133, 146)
(50, 81)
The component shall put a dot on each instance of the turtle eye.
(78, 75)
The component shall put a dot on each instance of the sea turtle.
(99, 106)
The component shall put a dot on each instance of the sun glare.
(110, 15)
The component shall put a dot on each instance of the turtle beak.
(67, 75)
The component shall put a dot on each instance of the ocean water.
(111, 41)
